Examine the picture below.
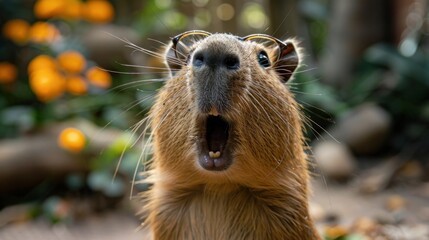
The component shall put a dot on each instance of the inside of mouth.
(217, 131)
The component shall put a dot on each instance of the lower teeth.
(214, 154)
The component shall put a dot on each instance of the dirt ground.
(339, 204)
(401, 211)
(113, 225)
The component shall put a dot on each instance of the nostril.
(231, 62)
(198, 60)
(215, 60)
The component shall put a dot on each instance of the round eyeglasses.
(183, 42)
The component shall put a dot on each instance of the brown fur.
(263, 194)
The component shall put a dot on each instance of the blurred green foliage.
(398, 83)
(22, 112)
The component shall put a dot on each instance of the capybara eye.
(263, 59)
(198, 60)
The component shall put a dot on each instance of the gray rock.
(334, 160)
(365, 128)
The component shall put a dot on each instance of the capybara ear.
(174, 64)
(287, 62)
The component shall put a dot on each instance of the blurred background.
(78, 77)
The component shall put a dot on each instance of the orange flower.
(98, 11)
(72, 139)
(48, 8)
(41, 62)
(47, 84)
(73, 9)
(8, 72)
(16, 30)
(99, 78)
(71, 61)
(76, 85)
(43, 32)
(335, 232)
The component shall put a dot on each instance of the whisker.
(160, 42)
(314, 113)
(132, 73)
(134, 129)
(306, 70)
(134, 46)
(144, 153)
(142, 66)
(326, 131)
(146, 51)
(135, 83)
(306, 93)
(301, 83)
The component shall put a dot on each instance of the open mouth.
(214, 150)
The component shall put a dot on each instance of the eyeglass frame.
(280, 44)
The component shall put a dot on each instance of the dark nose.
(215, 59)
(214, 71)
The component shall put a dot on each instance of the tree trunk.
(355, 25)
